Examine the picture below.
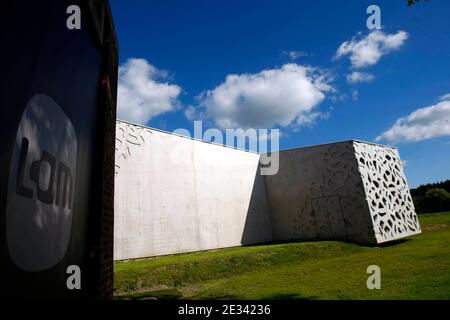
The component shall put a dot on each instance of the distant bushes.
(433, 197)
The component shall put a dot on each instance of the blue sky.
(289, 73)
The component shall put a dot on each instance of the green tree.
(436, 200)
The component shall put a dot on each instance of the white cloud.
(191, 113)
(267, 136)
(422, 124)
(341, 97)
(310, 119)
(367, 51)
(294, 55)
(357, 76)
(142, 94)
(445, 97)
(355, 95)
(266, 99)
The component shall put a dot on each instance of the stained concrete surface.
(175, 194)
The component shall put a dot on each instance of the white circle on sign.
(41, 187)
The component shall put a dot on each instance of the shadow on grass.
(220, 297)
(168, 294)
(392, 243)
(276, 296)
(288, 296)
(331, 239)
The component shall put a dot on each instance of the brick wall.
(108, 111)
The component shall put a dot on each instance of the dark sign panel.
(57, 107)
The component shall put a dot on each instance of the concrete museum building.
(215, 197)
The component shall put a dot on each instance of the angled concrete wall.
(318, 194)
(349, 190)
(387, 193)
(174, 194)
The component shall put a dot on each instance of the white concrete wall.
(318, 194)
(174, 195)
(388, 197)
(348, 190)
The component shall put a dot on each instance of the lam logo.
(41, 187)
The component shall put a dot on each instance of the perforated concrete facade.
(387, 193)
(175, 194)
(348, 190)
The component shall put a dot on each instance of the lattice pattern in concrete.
(128, 138)
(387, 192)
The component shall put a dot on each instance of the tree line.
(432, 197)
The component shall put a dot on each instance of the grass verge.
(417, 268)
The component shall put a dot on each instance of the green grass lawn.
(418, 268)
